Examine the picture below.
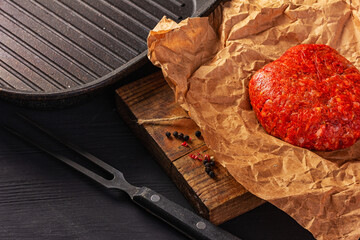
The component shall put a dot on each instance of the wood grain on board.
(218, 199)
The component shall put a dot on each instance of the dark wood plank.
(41, 198)
(218, 199)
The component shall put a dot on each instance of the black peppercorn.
(207, 165)
(207, 169)
(212, 163)
(205, 161)
(186, 138)
(175, 134)
(181, 136)
(211, 174)
(168, 134)
(198, 134)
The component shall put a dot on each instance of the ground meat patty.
(309, 97)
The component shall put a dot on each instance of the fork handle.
(189, 223)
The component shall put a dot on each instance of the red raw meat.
(309, 97)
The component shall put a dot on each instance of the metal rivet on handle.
(155, 198)
(201, 225)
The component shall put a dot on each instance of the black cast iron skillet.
(53, 52)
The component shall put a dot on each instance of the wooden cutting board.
(218, 199)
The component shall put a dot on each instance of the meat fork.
(187, 222)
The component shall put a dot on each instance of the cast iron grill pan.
(53, 50)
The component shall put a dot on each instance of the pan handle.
(189, 223)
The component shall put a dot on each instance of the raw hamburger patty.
(309, 97)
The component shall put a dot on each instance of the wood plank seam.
(217, 199)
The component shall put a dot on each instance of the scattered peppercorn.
(175, 134)
(184, 144)
(208, 164)
(186, 137)
(212, 158)
(198, 134)
(181, 136)
(168, 134)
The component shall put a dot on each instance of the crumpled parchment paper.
(209, 61)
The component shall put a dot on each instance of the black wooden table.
(42, 198)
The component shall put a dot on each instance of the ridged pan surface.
(55, 49)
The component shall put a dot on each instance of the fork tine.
(87, 172)
(75, 148)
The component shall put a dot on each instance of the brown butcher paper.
(209, 61)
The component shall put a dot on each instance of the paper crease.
(209, 61)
